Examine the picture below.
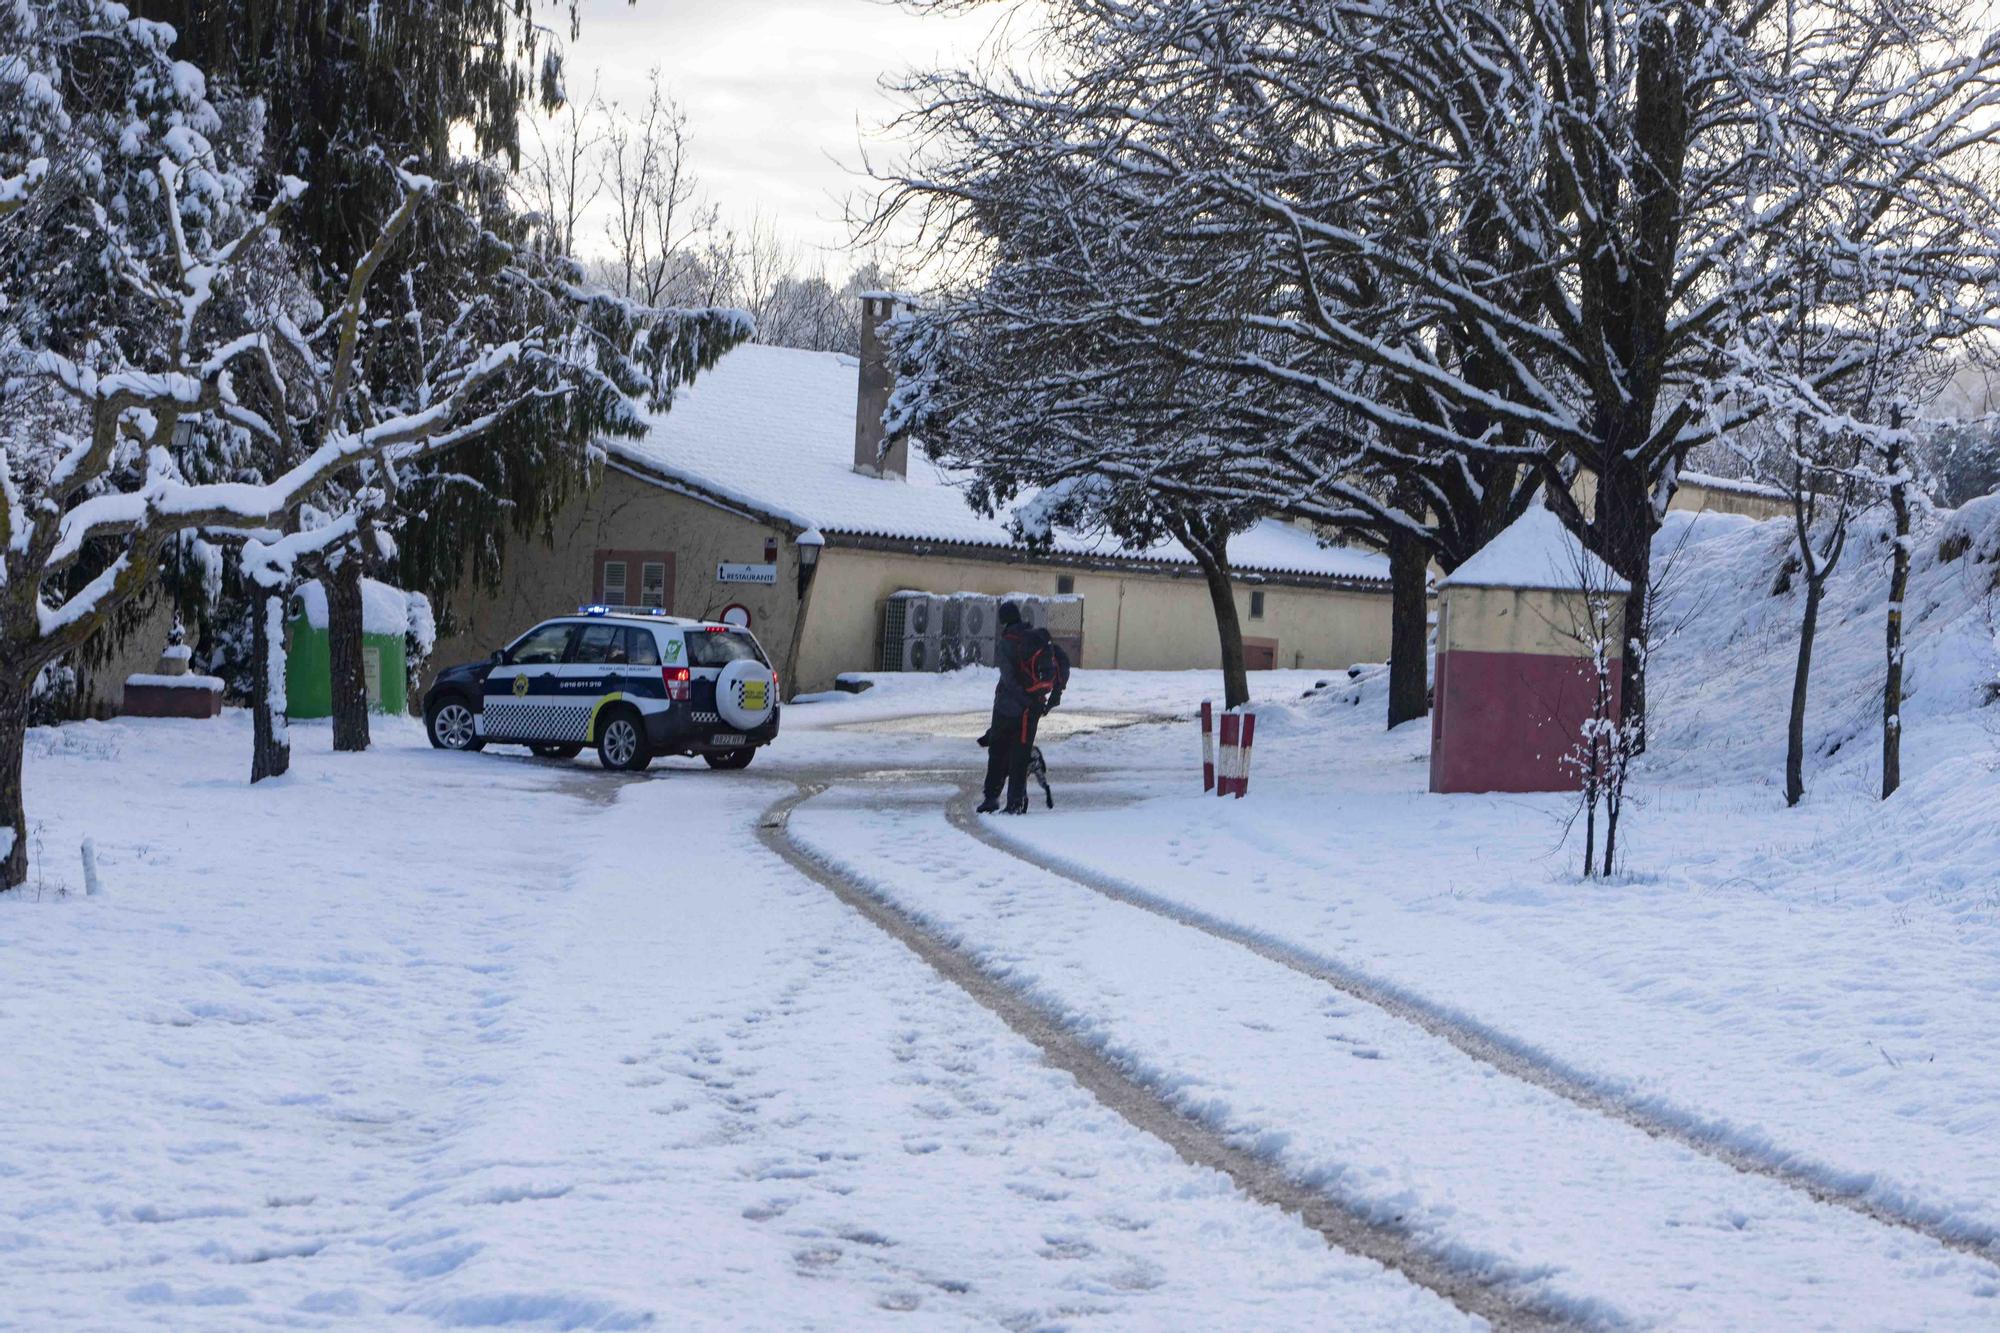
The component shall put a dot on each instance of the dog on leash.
(1039, 771)
(1038, 768)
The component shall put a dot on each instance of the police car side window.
(641, 647)
(600, 645)
(541, 646)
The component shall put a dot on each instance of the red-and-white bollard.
(1207, 746)
(1232, 730)
(1243, 755)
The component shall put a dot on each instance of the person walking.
(1033, 671)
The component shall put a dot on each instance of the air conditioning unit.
(919, 655)
(911, 622)
(1065, 617)
(964, 652)
(978, 615)
(972, 621)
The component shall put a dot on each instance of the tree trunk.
(1623, 528)
(1610, 834)
(343, 634)
(1589, 833)
(1795, 736)
(1409, 629)
(1208, 543)
(1899, 586)
(271, 746)
(1222, 594)
(13, 802)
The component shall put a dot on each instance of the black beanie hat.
(1010, 614)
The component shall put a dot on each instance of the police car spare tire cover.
(743, 694)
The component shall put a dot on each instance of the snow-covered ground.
(1814, 986)
(410, 1039)
(415, 1039)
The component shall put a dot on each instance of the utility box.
(385, 620)
(1519, 628)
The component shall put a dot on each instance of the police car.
(634, 682)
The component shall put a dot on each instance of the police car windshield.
(718, 648)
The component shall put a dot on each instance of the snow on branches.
(1439, 253)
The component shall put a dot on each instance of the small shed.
(1515, 646)
(388, 616)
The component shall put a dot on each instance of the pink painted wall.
(1504, 721)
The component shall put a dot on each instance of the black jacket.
(1017, 646)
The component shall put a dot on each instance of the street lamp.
(809, 543)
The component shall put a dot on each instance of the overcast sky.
(780, 94)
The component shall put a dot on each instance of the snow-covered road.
(421, 1040)
(1495, 1176)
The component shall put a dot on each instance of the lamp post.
(809, 543)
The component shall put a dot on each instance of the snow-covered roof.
(1536, 551)
(384, 609)
(1739, 485)
(772, 429)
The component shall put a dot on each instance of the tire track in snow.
(1485, 1046)
(1263, 1181)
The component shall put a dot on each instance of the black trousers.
(1010, 741)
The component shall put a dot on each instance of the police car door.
(599, 670)
(521, 692)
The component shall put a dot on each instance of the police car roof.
(644, 617)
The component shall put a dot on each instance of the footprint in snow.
(874, 1239)
(1066, 1247)
(815, 1257)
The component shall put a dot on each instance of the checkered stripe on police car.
(564, 722)
(567, 722)
(498, 719)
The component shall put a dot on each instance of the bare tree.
(1537, 234)
(659, 222)
(1604, 749)
(562, 170)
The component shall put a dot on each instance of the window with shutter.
(625, 576)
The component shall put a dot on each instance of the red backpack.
(1047, 668)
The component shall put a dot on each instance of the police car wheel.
(556, 751)
(739, 758)
(450, 727)
(621, 743)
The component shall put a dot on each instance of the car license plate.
(727, 738)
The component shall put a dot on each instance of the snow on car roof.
(772, 428)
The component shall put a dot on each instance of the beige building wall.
(102, 687)
(1133, 621)
(627, 513)
(1725, 500)
(1696, 497)
(1541, 621)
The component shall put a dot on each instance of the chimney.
(872, 397)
